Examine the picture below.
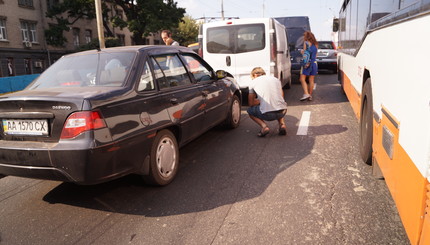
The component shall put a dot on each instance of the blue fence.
(11, 84)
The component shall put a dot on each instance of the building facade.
(23, 47)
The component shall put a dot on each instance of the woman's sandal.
(282, 130)
(263, 132)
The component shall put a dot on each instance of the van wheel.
(233, 117)
(164, 159)
(288, 84)
(366, 123)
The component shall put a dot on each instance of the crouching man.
(266, 101)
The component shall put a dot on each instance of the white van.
(239, 45)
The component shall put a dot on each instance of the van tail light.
(80, 122)
(200, 52)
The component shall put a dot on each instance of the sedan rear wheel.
(233, 118)
(164, 159)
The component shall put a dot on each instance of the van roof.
(238, 21)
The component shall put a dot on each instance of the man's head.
(166, 35)
(256, 72)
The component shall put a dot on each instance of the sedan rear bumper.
(69, 161)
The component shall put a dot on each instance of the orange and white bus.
(383, 60)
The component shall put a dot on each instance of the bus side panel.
(405, 182)
(425, 234)
(353, 95)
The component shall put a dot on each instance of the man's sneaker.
(305, 97)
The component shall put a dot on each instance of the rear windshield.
(99, 69)
(325, 45)
(236, 39)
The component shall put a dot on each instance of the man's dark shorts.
(268, 116)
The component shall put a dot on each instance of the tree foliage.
(187, 31)
(148, 16)
(143, 17)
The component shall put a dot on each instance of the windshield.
(99, 69)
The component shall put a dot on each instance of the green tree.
(148, 16)
(143, 17)
(187, 31)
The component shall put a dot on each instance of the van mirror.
(335, 24)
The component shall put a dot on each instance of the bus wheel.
(366, 123)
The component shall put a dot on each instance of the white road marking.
(304, 123)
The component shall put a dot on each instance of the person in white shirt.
(166, 35)
(266, 101)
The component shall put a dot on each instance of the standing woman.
(311, 68)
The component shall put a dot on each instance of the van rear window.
(236, 39)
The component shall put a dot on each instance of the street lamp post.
(100, 24)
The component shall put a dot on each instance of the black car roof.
(150, 48)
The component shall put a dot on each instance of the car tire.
(164, 159)
(233, 117)
(288, 84)
(366, 123)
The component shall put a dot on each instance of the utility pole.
(222, 9)
(100, 24)
(264, 6)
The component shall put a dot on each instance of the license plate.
(25, 127)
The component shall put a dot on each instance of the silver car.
(327, 56)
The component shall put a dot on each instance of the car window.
(250, 38)
(173, 70)
(95, 69)
(219, 40)
(146, 82)
(325, 45)
(236, 39)
(197, 69)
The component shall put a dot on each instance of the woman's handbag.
(306, 60)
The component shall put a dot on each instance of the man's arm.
(252, 99)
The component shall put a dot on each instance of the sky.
(320, 12)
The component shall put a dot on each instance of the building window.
(76, 37)
(28, 31)
(88, 36)
(27, 66)
(3, 35)
(121, 39)
(10, 67)
(52, 3)
(26, 3)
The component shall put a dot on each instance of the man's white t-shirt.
(269, 92)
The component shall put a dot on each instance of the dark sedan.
(99, 115)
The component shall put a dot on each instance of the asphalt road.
(232, 188)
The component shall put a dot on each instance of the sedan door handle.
(174, 101)
(228, 60)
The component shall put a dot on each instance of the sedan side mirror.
(220, 74)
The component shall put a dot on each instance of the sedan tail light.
(82, 121)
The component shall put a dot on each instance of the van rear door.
(237, 48)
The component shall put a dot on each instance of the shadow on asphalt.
(222, 167)
(209, 177)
